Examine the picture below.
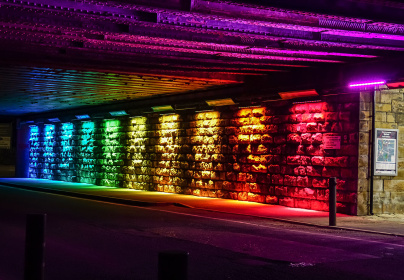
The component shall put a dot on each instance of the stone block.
(277, 179)
(319, 205)
(271, 128)
(271, 199)
(300, 170)
(306, 138)
(287, 201)
(299, 108)
(303, 203)
(296, 118)
(242, 196)
(364, 126)
(314, 170)
(287, 169)
(294, 138)
(307, 118)
(259, 149)
(317, 138)
(315, 150)
(394, 185)
(331, 172)
(312, 127)
(222, 194)
(294, 160)
(245, 168)
(253, 197)
(336, 161)
(319, 117)
(331, 116)
(317, 160)
(319, 183)
(258, 168)
(305, 160)
(289, 180)
(396, 105)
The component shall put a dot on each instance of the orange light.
(298, 94)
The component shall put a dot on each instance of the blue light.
(82, 117)
(119, 113)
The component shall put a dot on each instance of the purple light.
(368, 84)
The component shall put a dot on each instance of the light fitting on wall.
(298, 94)
(82, 117)
(162, 108)
(372, 83)
(220, 102)
(118, 113)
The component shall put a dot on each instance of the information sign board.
(331, 142)
(386, 147)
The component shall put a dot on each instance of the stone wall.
(271, 154)
(388, 190)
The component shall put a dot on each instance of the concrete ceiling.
(58, 55)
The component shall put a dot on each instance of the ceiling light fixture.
(162, 108)
(298, 94)
(220, 102)
(119, 113)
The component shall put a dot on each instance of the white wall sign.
(386, 146)
(331, 142)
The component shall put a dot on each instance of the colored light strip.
(220, 102)
(298, 94)
(118, 113)
(162, 108)
(82, 117)
(368, 84)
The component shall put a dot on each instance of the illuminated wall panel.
(111, 158)
(169, 154)
(137, 170)
(65, 150)
(208, 167)
(250, 137)
(35, 152)
(49, 166)
(85, 153)
(262, 154)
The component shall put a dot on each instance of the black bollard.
(173, 265)
(332, 196)
(34, 247)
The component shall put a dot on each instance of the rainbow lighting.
(49, 154)
(86, 157)
(367, 84)
(34, 151)
(66, 154)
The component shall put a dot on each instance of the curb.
(154, 204)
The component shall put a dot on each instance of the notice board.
(386, 149)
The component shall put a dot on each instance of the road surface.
(94, 240)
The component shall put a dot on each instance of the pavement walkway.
(381, 224)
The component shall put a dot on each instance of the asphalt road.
(94, 240)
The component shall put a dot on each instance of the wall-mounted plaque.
(331, 142)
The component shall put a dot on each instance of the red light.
(297, 94)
